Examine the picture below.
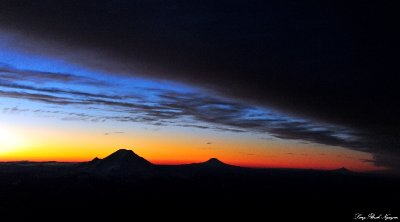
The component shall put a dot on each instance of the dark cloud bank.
(334, 62)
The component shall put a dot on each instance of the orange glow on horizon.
(277, 161)
(44, 144)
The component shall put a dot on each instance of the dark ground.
(198, 191)
(195, 191)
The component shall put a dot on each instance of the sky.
(262, 84)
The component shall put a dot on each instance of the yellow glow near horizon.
(9, 141)
(76, 144)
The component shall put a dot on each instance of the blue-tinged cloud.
(10, 73)
(163, 107)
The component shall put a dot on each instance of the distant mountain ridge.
(124, 179)
(214, 162)
(343, 170)
(125, 162)
(125, 157)
(121, 162)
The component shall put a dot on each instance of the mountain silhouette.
(125, 157)
(124, 181)
(214, 162)
(95, 161)
(121, 162)
(90, 164)
(342, 170)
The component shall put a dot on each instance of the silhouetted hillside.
(214, 162)
(342, 170)
(120, 163)
(124, 184)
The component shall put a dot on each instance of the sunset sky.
(181, 83)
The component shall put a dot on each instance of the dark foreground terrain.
(126, 185)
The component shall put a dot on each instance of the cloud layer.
(168, 107)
